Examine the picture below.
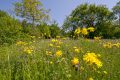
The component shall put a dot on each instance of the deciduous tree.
(31, 10)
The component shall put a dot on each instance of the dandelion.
(63, 59)
(77, 50)
(117, 45)
(84, 31)
(91, 29)
(81, 68)
(32, 36)
(51, 62)
(54, 40)
(97, 38)
(58, 53)
(92, 58)
(77, 31)
(51, 45)
(108, 45)
(74, 47)
(75, 61)
(90, 78)
(21, 43)
(28, 50)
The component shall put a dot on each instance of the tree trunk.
(33, 21)
(119, 18)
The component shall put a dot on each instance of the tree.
(55, 30)
(3, 14)
(88, 16)
(116, 10)
(32, 10)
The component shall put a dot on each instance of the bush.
(44, 29)
(117, 31)
(10, 29)
(55, 30)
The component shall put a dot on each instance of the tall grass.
(43, 64)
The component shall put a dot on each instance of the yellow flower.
(50, 45)
(54, 40)
(74, 47)
(97, 38)
(63, 59)
(91, 29)
(75, 61)
(77, 50)
(117, 45)
(84, 31)
(82, 68)
(77, 31)
(92, 58)
(90, 78)
(32, 36)
(21, 43)
(28, 50)
(51, 62)
(108, 45)
(48, 53)
(58, 53)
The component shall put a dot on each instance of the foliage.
(55, 30)
(9, 28)
(12, 29)
(32, 10)
(117, 31)
(116, 10)
(44, 30)
(88, 16)
(3, 14)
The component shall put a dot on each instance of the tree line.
(36, 22)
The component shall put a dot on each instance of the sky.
(59, 8)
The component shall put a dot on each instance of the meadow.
(61, 59)
(42, 40)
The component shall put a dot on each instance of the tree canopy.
(116, 10)
(89, 15)
(32, 10)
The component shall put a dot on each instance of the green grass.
(15, 64)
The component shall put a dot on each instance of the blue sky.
(59, 8)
